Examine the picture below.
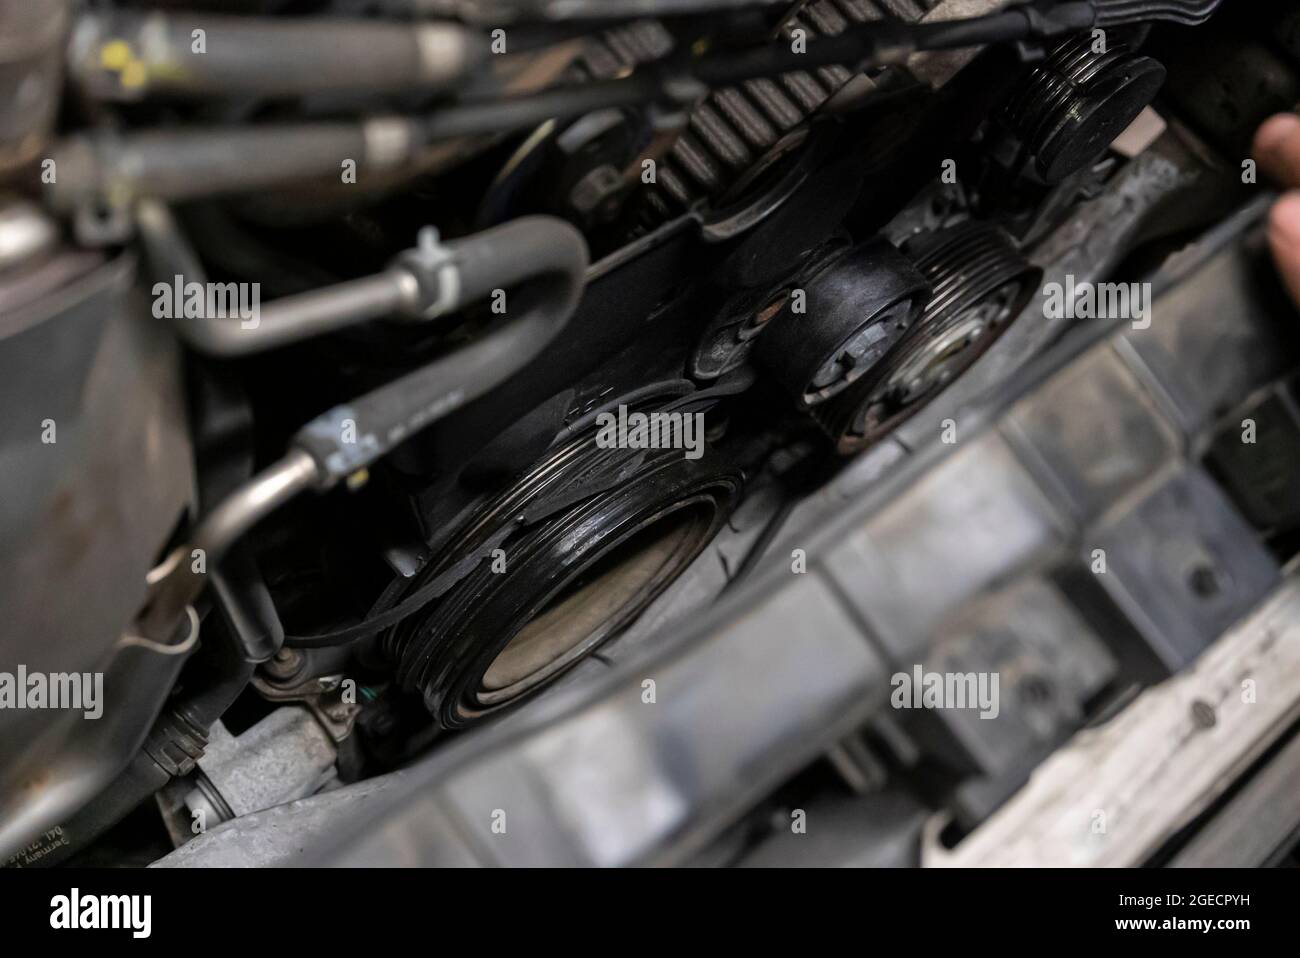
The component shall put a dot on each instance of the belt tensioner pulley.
(980, 283)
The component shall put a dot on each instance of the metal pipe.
(547, 256)
(127, 56)
(303, 316)
(177, 581)
(182, 164)
(286, 320)
(69, 770)
(421, 285)
(544, 256)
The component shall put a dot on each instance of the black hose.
(546, 255)
(182, 164)
(1187, 12)
(546, 259)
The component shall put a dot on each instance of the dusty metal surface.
(1116, 793)
(1253, 828)
(284, 757)
(937, 67)
(280, 836)
(94, 421)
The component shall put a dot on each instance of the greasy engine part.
(110, 170)
(980, 283)
(94, 448)
(1187, 12)
(550, 260)
(31, 61)
(421, 284)
(840, 321)
(743, 134)
(1077, 101)
(843, 630)
(617, 525)
(582, 169)
(575, 550)
(725, 745)
(285, 756)
(1225, 82)
(731, 334)
(743, 140)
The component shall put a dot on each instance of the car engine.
(636, 421)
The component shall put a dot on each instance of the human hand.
(1277, 151)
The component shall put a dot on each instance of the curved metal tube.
(422, 284)
(546, 257)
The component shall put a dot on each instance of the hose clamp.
(433, 265)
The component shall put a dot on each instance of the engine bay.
(650, 410)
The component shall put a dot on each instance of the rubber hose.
(547, 259)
